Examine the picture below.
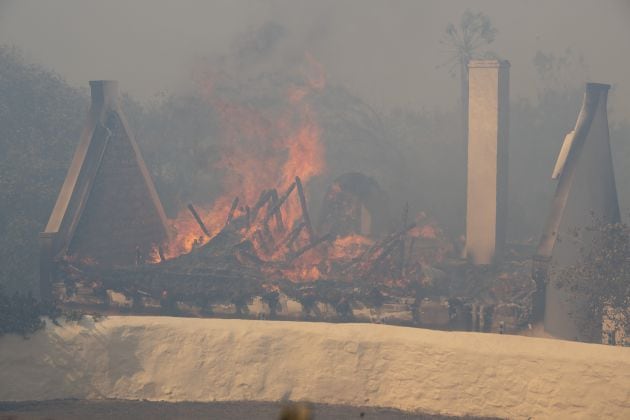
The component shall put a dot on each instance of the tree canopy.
(40, 122)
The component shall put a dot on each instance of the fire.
(259, 149)
(350, 246)
(263, 148)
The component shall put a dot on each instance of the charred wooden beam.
(286, 194)
(385, 252)
(232, 209)
(305, 215)
(279, 202)
(262, 200)
(274, 210)
(247, 216)
(161, 253)
(260, 238)
(385, 243)
(294, 234)
(246, 255)
(268, 237)
(192, 210)
(301, 251)
(266, 234)
(396, 235)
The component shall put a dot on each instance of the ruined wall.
(587, 186)
(119, 214)
(107, 210)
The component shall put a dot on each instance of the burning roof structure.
(258, 248)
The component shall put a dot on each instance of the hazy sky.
(387, 51)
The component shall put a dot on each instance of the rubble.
(248, 270)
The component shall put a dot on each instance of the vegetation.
(463, 42)
(20, 314)
(40, 122)
(600, 280)
(23, 314)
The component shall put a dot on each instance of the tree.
(20, 314)
(463, 42)
(564, 71)
(40, 123)
(600, 280)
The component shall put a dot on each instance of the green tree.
(600, 280)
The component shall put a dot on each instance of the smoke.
(385, 52)
(388, 108)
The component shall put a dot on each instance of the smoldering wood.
(306, 248)
(227, 270)
(295, 233)
(268, 238)
(192, 210)
(276, 210)
(286, 194)
(303, 204)
(265, 196)
(273, 209)
(262, 241)
(384, 243)
(234, 267)
(354, 204)
(385, 252)
(232, 209)
(367, 263)
(271, 205)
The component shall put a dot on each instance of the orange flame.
(258, 151)
(263, 148)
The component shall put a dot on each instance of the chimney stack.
(585, 193)
(488, 102)
(104, 92)
(108, 209)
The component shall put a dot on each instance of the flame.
(259, 149)
(350, 246)
(262, 148)
(426, 228)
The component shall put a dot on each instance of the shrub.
(600, 279)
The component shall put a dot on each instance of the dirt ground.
(128, 410)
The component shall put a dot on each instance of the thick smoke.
(388, 109)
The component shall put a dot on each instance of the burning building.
(258, 249)
(108, 210)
